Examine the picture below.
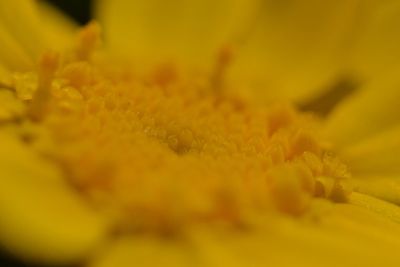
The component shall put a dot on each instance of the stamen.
(224, 60)
(88, 40)
(48, 65)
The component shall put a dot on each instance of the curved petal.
(145, 251)
(27, 31)
(296, 49)
(367, 112)
(23, 41)
(378, 155)
(343, 235)
(12, 55)
(386, 188)
(336, 235)
(10, 106)
(190, 32)
(41, 218)
(377, 38)
(5, 75)
(60, 29)
(378, 206)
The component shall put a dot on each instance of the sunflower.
(201, 133)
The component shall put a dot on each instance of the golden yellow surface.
(177, 140)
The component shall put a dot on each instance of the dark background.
(77, 9)
(80, 10)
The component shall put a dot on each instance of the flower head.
(191, 139)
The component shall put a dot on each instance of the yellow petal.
(144, 251)
(5, 76)
(378, 155)
(24, 36)
(367, 112)
(60, 29)
(377, 38)
(344, 235)
(12, 55)
(296, 49)
(41, 218)
(385, 188)
(10, 106)
(26, 31)
(191, 32)
(213, 250)
(380, 207)
(332, 235)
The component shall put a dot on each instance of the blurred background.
(77, 9)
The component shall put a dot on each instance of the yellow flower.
(182, 143)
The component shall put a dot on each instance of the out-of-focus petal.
(190, 32)
(5, 76)
(376, 38)
(341, 235)
(24, 36)
(378, 155)
(12, 54)
(41, 218)
(26, 31)
(60, 29)
(145, 251)
(383, 187)
(10, 106)
(331, 234)
(378, 206)
(365, 113)
(296, 49)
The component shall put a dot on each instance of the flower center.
(165, 149)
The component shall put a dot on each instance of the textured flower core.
(167, 148)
